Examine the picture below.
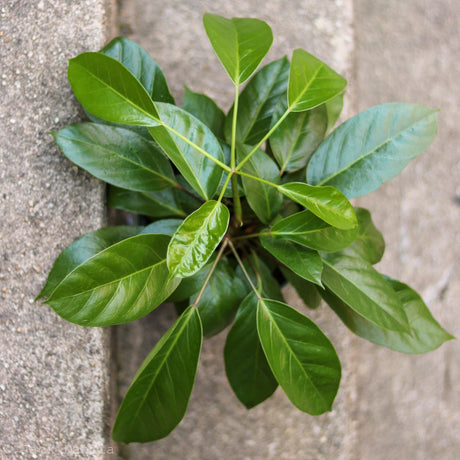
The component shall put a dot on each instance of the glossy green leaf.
(369, 243)
(164, 226)
(82, 249)
(240, 43)
(197, 238)
(333, 108)
(142, 66)
(301, 357)
(257, 103)
(246, 366)
(425, 332)
(372, 147)
(117, 156)
(202, 173)
(306, 291)
(364, 290)
(206, 110)
(325, 202)
(110, 91)
(311, 82)
(119, 284)
(154, 204)
(221, 299)
(308, 230)
(300, 260)
(158, 396)
(298, 136)
(264, 200)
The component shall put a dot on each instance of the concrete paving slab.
(216, 426)
(53, 375)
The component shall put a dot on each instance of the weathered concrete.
(216, 425)
(53, 375)
(409, 407)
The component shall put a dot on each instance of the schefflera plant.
(239, 204)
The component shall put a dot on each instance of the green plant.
(231, 222)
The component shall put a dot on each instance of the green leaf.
(257, 103)
(246, 366)
(325, 202)
(425, 332)
(308, 230)
(372, 148)
(306, 291)
(202, 173)
(142, 66)
(264, 200)
(301, 357)
(117, 156)
(298, 136)
(119, 284)
(364, 290)
(164, 226)
(153, 204)
(334, 109)
(221, 298)
(369, 243)
(190, 286)
(206, 110)
(158, 396)
(311, 82)
(300, 260)
(110, 91)
(197, 238)
(240, 43)
(81, 250)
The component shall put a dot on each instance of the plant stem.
(250, 176)
(237, 210)
(224, 188)
(246, 237)
(214, 265)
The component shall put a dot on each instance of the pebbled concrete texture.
(410, 405)
(53, 375)
(216, 425)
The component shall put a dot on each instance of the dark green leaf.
(300, 260)
(240, 43)
(190, 286)
(334, 109)
(202, 173)
(221, 298)
(141, 130)
(164, 226)
(301, 357)
(110, 91)
(82, 249)
(153, 204)
(265, 200)
(119, 284)
(369, 243)
(308, 230)
(245, 364)
(298, 136)
(142, 66)
(117, 156)
(197, 238)
(206, 110)
(325, 202)
(307, 291)
(257, 103)
(158, 396)
(311, 82)
(425, 332)
(364, 290)
(372, 147)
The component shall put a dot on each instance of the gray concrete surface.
(53, 375)
(409, 407)
(216, 425)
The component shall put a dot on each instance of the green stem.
(259, 179)
(224, 188)
(272, 130)
(237, 209)
(245, 237)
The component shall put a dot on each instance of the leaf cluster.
(240, 203)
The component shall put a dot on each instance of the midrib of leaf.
(357, 160)
(307, 87)
(292, 352)
(291, 150)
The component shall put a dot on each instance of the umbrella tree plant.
(238, 204)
